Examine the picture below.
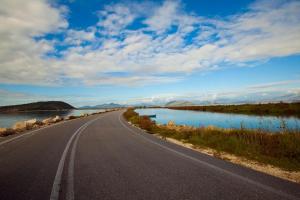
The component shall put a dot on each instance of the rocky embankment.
(31, 124)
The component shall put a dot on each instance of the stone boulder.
(71, 117)
(6, 131)
(171, 124)
(57, 119)
(3, 131)
(47, 121)
(25, 125)
(19, 126)
(31, 122)
(51, 120)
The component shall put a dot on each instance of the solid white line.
(57, 180)
(265, 187)
(70, 178)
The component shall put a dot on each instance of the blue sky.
(131, 52)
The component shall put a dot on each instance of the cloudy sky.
(97, 51)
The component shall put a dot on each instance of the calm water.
(223, 120)
(9, 119)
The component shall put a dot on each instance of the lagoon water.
(9, 119)
(222, 120)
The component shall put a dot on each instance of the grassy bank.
(280, 149)
(277, 109)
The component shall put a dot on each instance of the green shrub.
(143, 122)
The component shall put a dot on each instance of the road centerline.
(57, 180)
(71, 164)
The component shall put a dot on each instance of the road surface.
(103, 157)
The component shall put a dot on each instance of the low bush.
(143, 122)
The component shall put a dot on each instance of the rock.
(25, 125)
(30, 123)
(170, 124)
(2, 130)
(84, 115)
(47, 121)
(20, 126)
(71, 117)
(6, 131)
(52, 120)
(57, 119)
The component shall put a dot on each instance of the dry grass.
(280, 149)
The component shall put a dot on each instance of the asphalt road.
(102, 157)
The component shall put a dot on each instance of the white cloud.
(169, 14)
(115, 18)
(162, 50)
(267, 30)
(274, 84)
(77, 37)
(287, 91)
(21, 56)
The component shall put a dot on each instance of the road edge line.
(260, 185)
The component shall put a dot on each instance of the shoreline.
(258, 151)
(293, 176)
(34, 124)
(28, 111)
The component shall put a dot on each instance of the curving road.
(102, 157)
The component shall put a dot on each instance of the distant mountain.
(145, 105)
(42, 105)
(179, 103)
(103, 106)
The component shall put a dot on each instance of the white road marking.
(265, 187)
(57, 180)
(70, 178)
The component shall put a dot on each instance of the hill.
(42, 105)
(103, 106)
(179, 103)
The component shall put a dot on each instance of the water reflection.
(223, 120)
(8, 119)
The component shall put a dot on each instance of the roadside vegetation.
(32, 124)
(276, 109)
(280, 149)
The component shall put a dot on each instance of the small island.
(38, 106)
